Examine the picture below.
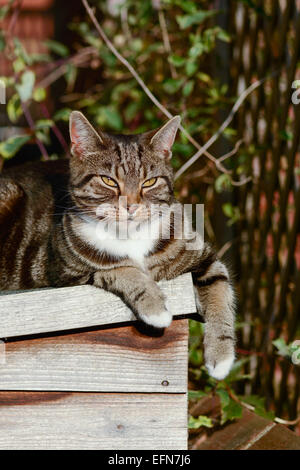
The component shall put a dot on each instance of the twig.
(241, 182)
(32, 127)
(232, 152)
(124, 21)
(16, 5)
(76, 59)
(276, 419)
(56, 131)
(164, 31)
(221, 129)
(124, 61)
(17, 8)
(286, 422)
(224, 248)
(197, 174)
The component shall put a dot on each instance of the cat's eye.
(109, 181)
(149, 183)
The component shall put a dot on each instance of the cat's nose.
(132, 208)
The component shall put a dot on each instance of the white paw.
(222, 369)
(159, 320)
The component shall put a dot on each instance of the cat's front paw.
(157, 320)
(219, 370)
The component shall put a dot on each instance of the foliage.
(231, 404)
(290, 351)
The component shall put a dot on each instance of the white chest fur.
(136, 246)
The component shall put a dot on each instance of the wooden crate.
(76, 371)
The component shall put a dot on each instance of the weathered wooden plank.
(49, 310)
(108, 360)
(250, 432)
(236, 435)
(53, 420)
(278, 438)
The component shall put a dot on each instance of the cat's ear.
(84, 139)
(164, 137)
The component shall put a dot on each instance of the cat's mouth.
(122, 215)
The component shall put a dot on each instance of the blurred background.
(200, 59)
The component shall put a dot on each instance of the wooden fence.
(266, 40)
(75, 373)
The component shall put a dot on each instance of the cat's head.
(120, 176)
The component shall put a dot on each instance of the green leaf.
(2, 41)
(191, 67)
(10, 147)
(176, 60)
(62, 115)
(172, 85)
(136, 44)
(252, 4)
(259, 406)
(185, 21)
(195, 357)
(14, 108)
(286, 135)
(131, 110)
(57, 47)
(71, 74)
(183, 149)
(36, 57)
(196, 50)
(231, 211)
(228, 209)
(186, 5)
(222, 183)
(20, 51)
(224, 397)
(203, 77)
(110, 116)
(43, 135)
(223, 35)
(4, 10)
(44, 124)
(25, 88)
(282, 348)
(229, 132)
(196, 423)
(188, 88)
(39, 94)
(18, 65)
(196, 328)
(196, 394)
(230, 409)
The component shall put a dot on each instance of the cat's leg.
(214, 297)
(215, 302)
(138, 291)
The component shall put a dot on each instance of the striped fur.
(57, 221)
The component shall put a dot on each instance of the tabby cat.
(61, 225)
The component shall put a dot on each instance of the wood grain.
(53, 420)
(109, 360)
(50, 310)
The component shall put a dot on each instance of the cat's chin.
(222, 369)
(159, 320)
